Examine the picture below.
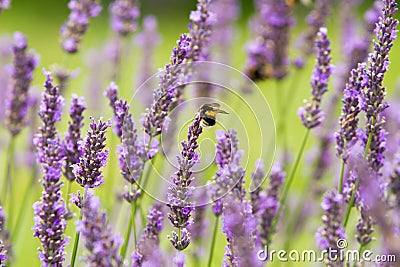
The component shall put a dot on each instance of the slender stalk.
(77, 234)
(7, 186)
(129, 230)
(288, 184)
(22, 210)
(214, 238)
(340, 186)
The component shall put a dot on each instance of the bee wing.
(216, 108)
(221, 111)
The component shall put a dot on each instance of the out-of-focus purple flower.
(268, 203)
(63, 76)
(315, 20)
(312, 115)
(352, 101)
(121, 111)
(124, 16)
(148, 252)
(180, 192)
(93, 156)
(3, 250)
(394, 184)
(132, 154)
(374, 95)
(179, 259)
(257, 178)
(164, 95)
(4, 4)
(148, 40)
(239, 226)
(112, 94)
(70, 144)
(226, 13)
(50, 209)
(268, 51)
(78, 22)
(21, 77)
(327, 236)
(101, 243)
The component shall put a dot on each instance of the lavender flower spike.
(328, 235)
(180, 192)
(312, 115)
(148, 252)
(352, 105)
(124, 16)
(78, 21)
(4, 4)
(101, 243)
(21, 77)
(374, 95)
(94, 157)
(3, 250)
(268, 203)
(50, 210)
(70, 144)
(164, 95)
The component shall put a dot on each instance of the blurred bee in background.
(292, 3)
(208, 114)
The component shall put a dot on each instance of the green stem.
(22, 210)
(214, 238)
(7, 193)
(129, 231)
(340, 186)
(77, 234)
(288, 184)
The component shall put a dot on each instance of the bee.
(208, 114)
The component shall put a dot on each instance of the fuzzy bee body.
(208, 114)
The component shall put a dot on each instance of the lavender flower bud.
(268, 203)
(63, 76)
(3, 250)
(179, 259)
(180, 192)
(148, 252)
(364, 227)
(78, 22)
(4, 4)
(346, 137)
(50, 210)
(312, 115)
(164, 95)
(94, 157)
(328, 235)
(21, 77)
(394, 184)
(257, 178)
(124, 16)
(101, 243)
(70, 144)
(239, 226)
(268, 52)
(374, 95)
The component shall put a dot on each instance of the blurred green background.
(40, 21)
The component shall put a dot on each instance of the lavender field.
(199, 133)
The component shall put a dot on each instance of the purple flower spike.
(374, 95)
(346, 137)
(78, 22)
(268, 51)
(268, 203)
(121, 111)
(50, 210)
(328, 235)
(148, 252)
(70, 144)
(124, 16)
(394, 184)
(3, 250)
(311, 115)
(364, 227)
(165, 94)
(94, 157)
(180, 192)
(101, 243)
(179, 259)
(21, 77)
